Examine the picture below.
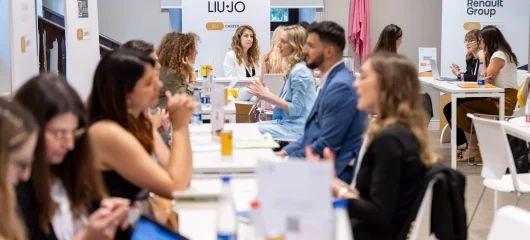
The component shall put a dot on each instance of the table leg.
(453, 130)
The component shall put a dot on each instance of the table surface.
(452, 86)
(517, 127)
(227, 80)
(230, 108)
(242, 161)
(200, 223)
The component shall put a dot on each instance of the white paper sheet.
(296, 199)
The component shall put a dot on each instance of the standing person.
(398, 153)
(298, 94)
(471, 41)
(334, 121)
(125, 144)
(17, 144)
(390, 39)
(65, 188)
(501, 71)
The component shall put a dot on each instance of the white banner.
(82, 44)
(216, 25)
(461, 16)
(18, 55)
(165, 4)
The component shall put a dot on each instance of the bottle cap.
(196, 89)
(342, 203)
(226, 179)
(205, 76)
(255, 204)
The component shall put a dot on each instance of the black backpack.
(448, 212)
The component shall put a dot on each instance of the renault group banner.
(512, 17)
(216, 23)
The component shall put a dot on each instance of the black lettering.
(231, 7)
(476, 3)
(501, 3)
(219, 6)
(239, 10)
(470, 3)
(469, 11)
(493, 12)
(209, 7)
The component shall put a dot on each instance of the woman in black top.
(398, 152)
(62, 198)
(470, 75)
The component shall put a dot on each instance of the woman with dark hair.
(17, 144)
(390, 39)
(65, 186)
(122, 136)
(500, 64)
(398, 152)
(471, 41)
(144, 47)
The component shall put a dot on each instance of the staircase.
(51, 29)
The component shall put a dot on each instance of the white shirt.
(324, 78)
(507, 77)
(64, 225)
(234, 70)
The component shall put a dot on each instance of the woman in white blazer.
(242, 61)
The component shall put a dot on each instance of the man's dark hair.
(304, 24)
(329, 32)
(139, 45)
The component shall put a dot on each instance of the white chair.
(497, 157)
(510, 223)
(422, 212)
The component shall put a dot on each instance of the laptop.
(436, 73)
(149, 229)
(274, 82)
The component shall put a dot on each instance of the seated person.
(334, 120)
(298, 93)
(472, 65)
(392, 171)
(242, 61)
(501, 70)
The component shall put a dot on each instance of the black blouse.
(389, 180)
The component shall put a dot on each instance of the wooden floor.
(483, 219)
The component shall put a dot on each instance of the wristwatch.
(342, 191)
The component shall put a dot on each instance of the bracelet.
(342, 191)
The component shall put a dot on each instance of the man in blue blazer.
(334, 121)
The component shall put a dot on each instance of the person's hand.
(160, 119)
(455, 69)
(180, 108)
(337, 184)
(259, 90)
(103, 223)
(489, 79)
(328, 155)
(281, 153)
(187, 61)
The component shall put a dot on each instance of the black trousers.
(460, 136)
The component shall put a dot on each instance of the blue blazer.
(334, 122)
(300, 93)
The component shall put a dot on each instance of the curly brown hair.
(253, 52)
(173, 48)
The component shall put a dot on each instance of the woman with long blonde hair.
(17, 143)
(272, 60)
(298, 94)
(398, 152)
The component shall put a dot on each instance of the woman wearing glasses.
(61, 198)
(472, 66)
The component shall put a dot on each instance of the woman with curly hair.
(176, 54)
(243, 60)
(298, 93)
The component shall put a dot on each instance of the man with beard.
(334, 121)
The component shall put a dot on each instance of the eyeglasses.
(470, 41)
(63, 135)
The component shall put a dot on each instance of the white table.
(200, 222)
(226, 81)
(517, 128)
(230, 112)
(243, 161)
(458, 92)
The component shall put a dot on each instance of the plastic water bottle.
(226, 214)
(348, 61)
(527, 109)
(481, 82)
(197, 115)
(342, 221)
(256, 220)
